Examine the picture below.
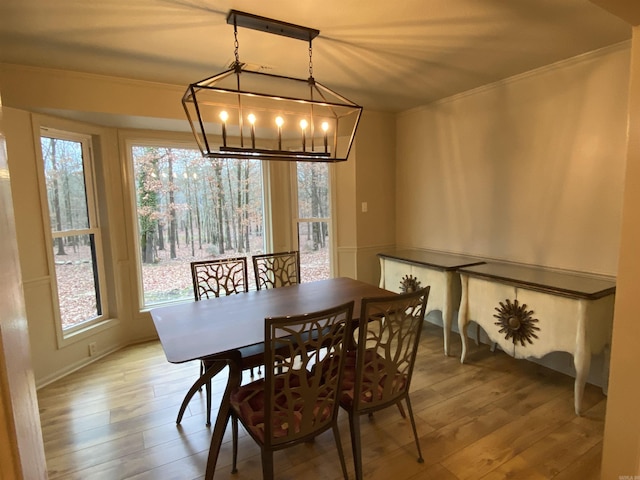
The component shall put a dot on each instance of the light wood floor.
(492, 418)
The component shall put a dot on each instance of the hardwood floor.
(493, 418)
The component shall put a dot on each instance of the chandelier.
(246, 113)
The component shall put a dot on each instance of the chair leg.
(234, 439)
(354, 424)
(336, 436)
(399, 404)
(267, 464)
(207, 387)
(415, 430)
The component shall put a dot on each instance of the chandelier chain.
(310, 60)
(236, 44)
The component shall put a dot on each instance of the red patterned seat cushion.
(248, 401)
(375, 369)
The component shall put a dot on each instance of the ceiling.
(384, 55)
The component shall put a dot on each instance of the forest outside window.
(75, 233)
(192, 208)
(313, 220)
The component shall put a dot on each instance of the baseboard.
(43, 382)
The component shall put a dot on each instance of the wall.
(528, 170)
(371, 169)
(375, 186)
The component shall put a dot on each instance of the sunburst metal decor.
(516, 322)
(409, 283)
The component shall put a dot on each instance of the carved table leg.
(235, 375)
(212, 371)
(447, 311)
(463, 321)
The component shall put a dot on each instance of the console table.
(530, 312)
(400, 268)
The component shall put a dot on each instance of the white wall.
(528, 170)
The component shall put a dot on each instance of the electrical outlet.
(93, 349)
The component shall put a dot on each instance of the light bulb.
(325, 127)
(224, 116)
(252, 120)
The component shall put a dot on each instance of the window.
(191, 208)
(313, 220)
(75, 233)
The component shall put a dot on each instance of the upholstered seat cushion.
(248, 401)
(375, 377)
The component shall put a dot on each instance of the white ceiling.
(383, 55)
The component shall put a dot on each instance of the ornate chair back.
(378, 373)
(212, 278)
(222, 276)
(296, 401)
(274, 270)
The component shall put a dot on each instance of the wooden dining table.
(218, 327)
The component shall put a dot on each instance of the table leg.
(447, 311)
(463, 321)
(213, 370)
(234, 361)
(581, 357)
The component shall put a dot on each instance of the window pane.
(192, 208)
(313, 239)
(77, 279)
(313, 190)
(64, 177)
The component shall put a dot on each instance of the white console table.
(434, 269)
(530, 312)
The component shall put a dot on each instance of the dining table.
(215, 329)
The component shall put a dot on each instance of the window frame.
(132, 139)
(74, 133)
(331, 221)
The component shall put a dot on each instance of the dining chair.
(274, 270)
(378, 371)
(219, 276)
(212, 278)
(295, 401)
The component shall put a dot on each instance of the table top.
(566, 284)
(438, 260)
(195, 330)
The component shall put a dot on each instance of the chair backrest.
(388, 335)
(300, 401)
(274, 270)
(222, 276)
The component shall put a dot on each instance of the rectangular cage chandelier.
(245, 114)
